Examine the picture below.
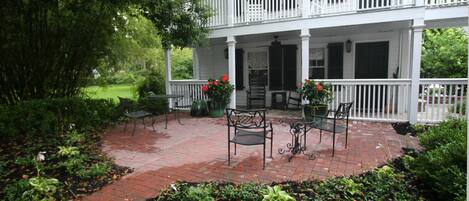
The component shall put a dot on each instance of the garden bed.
(52, 149)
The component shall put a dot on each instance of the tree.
(49, 48)
(444, 53)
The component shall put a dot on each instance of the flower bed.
(51, 149)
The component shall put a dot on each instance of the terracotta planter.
(309, 111)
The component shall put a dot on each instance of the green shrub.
(276, 194)
(45, 119)
(382, 184)
(153, 82)
(442, 167)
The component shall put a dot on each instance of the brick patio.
(197, 151)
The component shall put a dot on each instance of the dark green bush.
(442, 167)
(154, 83)
(40, 119)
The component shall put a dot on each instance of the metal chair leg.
(229, 158)
(143, 121)
(346, 137)
(125, 127)
(153, 123)
(320, 136)
(235, 148)
(271, 142)
(166, 120)
(263, 167)
(333, 144)
(135, 126)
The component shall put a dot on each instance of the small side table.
(279, 100)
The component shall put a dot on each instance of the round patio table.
(169, 97)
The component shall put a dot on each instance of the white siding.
(212, 61)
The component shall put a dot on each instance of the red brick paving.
(197, 151)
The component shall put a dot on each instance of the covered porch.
(376, 66)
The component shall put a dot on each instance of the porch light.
(348, 46)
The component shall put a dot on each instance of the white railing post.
(417, 40)
(167, 61)
(304, 54)
(305, 8)
(230, 14)
(231, 41)
(419, 3)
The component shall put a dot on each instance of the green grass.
(111, 91)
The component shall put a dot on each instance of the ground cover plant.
(50, 148)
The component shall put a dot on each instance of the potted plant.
(318, 95)
(219, 92)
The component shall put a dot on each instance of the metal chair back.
(343, 111)
(247, 119)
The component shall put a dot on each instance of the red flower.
(209, 83)
(215, 82)
(205, 88)
(224, 78)
(318, 86)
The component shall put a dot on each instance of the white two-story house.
(368, 50)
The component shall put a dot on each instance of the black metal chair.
(337, 124)
(255, 95)
(294, 100)
(250, 128)
(134, 112)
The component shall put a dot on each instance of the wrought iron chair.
(133, 111)
(337, 124)
(250, 128)
(255, 95)
(294, 101)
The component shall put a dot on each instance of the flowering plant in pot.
(219, 92)
(318, 95)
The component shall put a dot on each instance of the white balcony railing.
(375, 99)
(250, 11)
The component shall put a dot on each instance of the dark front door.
(335, 60)
(371, 62)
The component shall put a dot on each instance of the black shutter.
(289, 67)
(335, 61)
(239, 69)
(275, 68)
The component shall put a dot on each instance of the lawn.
(110, 92)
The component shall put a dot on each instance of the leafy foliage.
(50, 49)
(180, 23)
(442, 167)
(381, 184)
(219, 91)
(276, 194)
(317, 93)
(444, 53)
(64, 133)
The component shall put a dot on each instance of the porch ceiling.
(321, 32)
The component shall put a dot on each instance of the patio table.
(298, 130)
(168, 97)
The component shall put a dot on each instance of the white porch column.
(195, 64)
(231, 41)
(167, 62)
(304, 55)
(417, 40)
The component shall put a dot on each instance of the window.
(317, 67)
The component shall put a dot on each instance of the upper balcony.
(229, 13)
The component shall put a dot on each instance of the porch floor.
(197, 151)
